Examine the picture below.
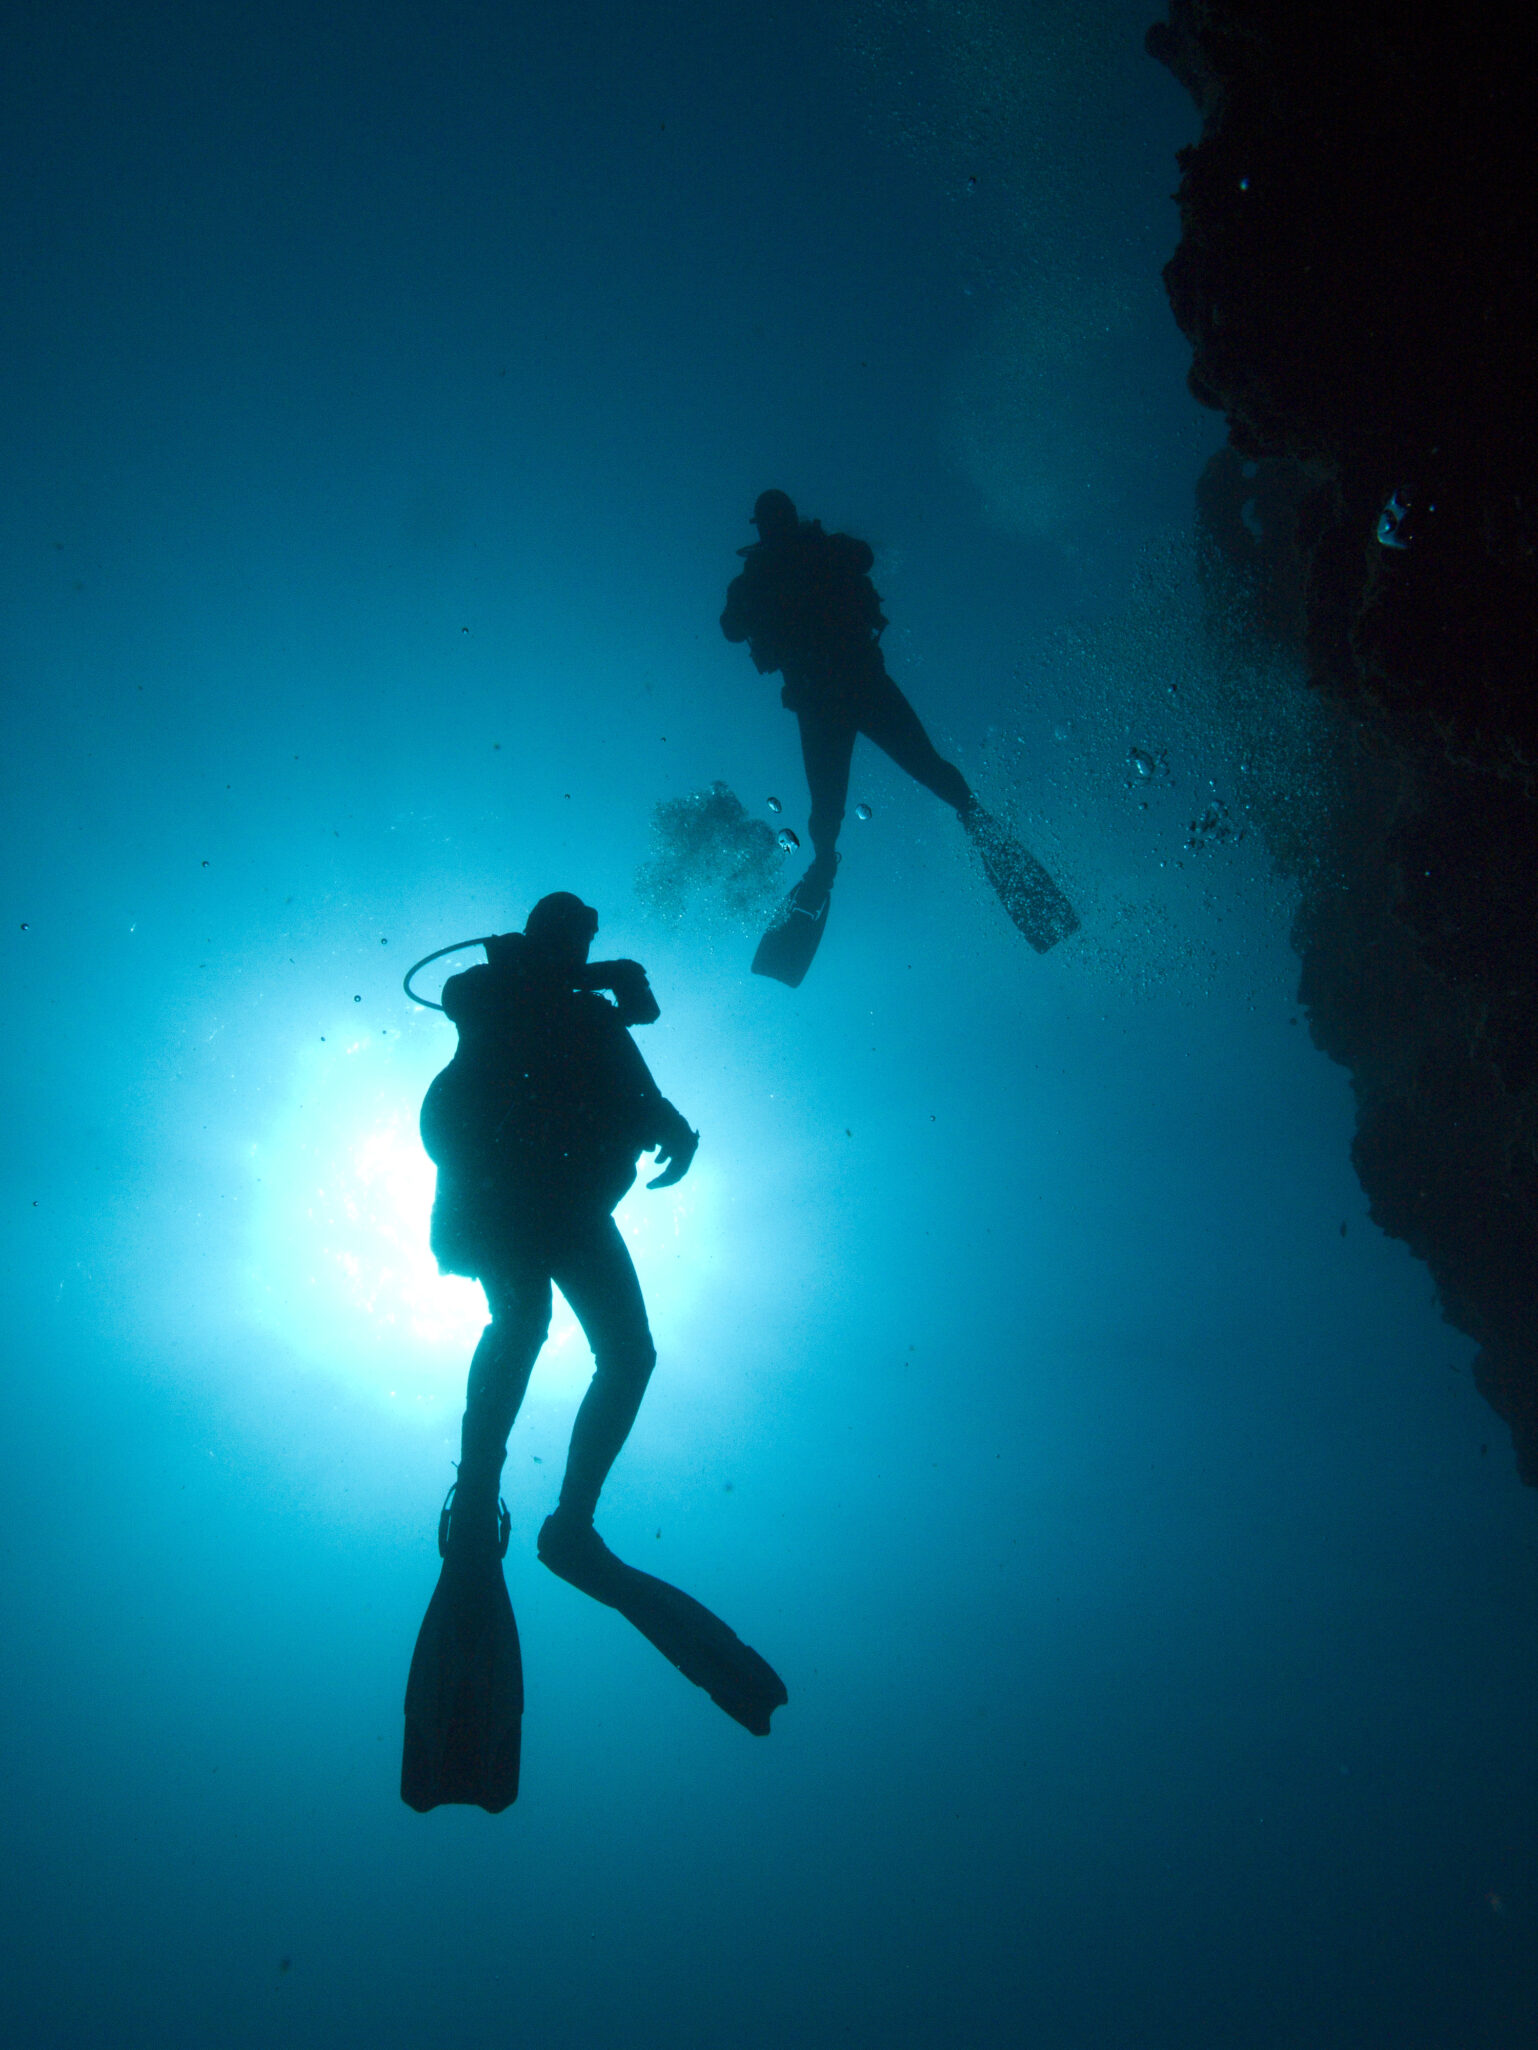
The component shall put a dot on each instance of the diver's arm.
(633, 999)
(734, 620)
(749, 617)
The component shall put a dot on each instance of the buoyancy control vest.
(542, 1112)
(805, 600)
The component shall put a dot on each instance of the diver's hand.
(632, 993)
(675, 1152)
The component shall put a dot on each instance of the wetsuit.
(535, 1127)
(805, 605)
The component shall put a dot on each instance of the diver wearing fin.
(805, 605)
(535, 1127)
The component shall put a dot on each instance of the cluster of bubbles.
(711, 859)
(1214, 826)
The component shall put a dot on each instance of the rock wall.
(1356, 276)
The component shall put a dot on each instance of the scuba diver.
(535, 1128)
(805, 605)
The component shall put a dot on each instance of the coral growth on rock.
(1356, 279)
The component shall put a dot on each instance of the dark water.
(386, 390)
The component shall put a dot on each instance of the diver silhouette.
(805, 605)
(535, 1128)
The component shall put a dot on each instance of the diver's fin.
(464, 1695)
(1035, 903)
(702, 1647)
(789, 947)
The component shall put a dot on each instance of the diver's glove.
(676, 1147)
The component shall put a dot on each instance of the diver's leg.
(518, 1297)
(890, 721)
(827, 747)
(596, 1275)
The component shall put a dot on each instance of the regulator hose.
(458, 947)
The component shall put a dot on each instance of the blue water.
(387, 390)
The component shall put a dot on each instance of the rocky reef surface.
(1356, 276)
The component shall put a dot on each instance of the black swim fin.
(464, 1694)
(702, 1647)
(1035, 903)
(789, 947)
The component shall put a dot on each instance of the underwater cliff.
(1355, 278)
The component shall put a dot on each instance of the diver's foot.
(568, 1544)
(813, 889)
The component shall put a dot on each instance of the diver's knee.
(518, 1314)
(627, 1366)
(529, 1324)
